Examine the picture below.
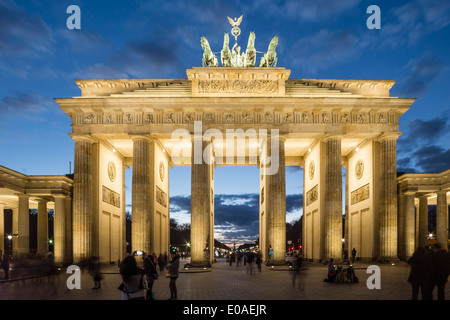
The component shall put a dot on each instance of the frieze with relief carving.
(238, 86)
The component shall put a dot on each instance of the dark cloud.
(421, 74)
(294, 202)
(21, 33)
(305, 10)
(417, 151)
(432, 159)
(324, 49)
(23, 103)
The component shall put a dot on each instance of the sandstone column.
(407, 239)
(42, 227)
(388, 199)
(347, 214)
(423, 221)
(59, 220)
(141, 194)
(23, 227)
(82, 199)
(442, 219)
(68, 230)
(2, 231)
(333, 198)
(200, 204)
(15, 232)
(276, 199)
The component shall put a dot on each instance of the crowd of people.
(430, 268)
(137, 282)
(248, 259)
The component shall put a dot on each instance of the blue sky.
(40, 58)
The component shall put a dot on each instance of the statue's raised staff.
(226, 52)
(209, 58)
(270, 57)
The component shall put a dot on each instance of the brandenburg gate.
(320, 125)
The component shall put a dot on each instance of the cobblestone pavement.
(226, 282)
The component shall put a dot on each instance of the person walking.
(151, 274)
(94, 270)
(173, 267)
(440, 260)
(250, 259)
(420, 275)
(132, 286)
(258, 260)
(161, 262)
(5, 266)
(353, 255)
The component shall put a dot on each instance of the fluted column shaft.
(23, 227)
(141, 195)
(333, 199)
(388, 200)
(276, 201)
(42, 227)
(82, 200)
(442, 219)
(423, 221)
(2, 230)
(200, 207)
(59, 222)
(408, 237)
(347, 215)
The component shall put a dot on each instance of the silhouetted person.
(94, 271)
(5, 266)
(440, 260)
(353, 255)
(331, 271)
(132, 286)
(161, 262)
(420, 275)
(150, 274)
(173, 275)
(258, 261)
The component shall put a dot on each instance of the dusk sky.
(326, 39)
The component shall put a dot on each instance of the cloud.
(305, 10)
(421, 74)
(432, 159)
(324, 49)
(21, 33)
(99, 71)
(24, 104)
(417, 151)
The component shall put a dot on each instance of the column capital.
(22, 195)
(329, 137)
(82, 137)
(389, 136)
(148, 137)
(441, 193)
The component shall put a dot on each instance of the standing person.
(132, 286)
(5, 266)
(331, 271)
(440, 260)
(420, 275)
(231, 258)
(94, 270)
(161, 262)
(353, 255)
(258, 260)
(173, 275)
(250, 259)
(150, 274)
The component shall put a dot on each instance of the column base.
(197, 265)
(276, 263)
(388, 260)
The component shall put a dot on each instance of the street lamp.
(10, 244)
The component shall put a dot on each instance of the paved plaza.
(226, 282)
